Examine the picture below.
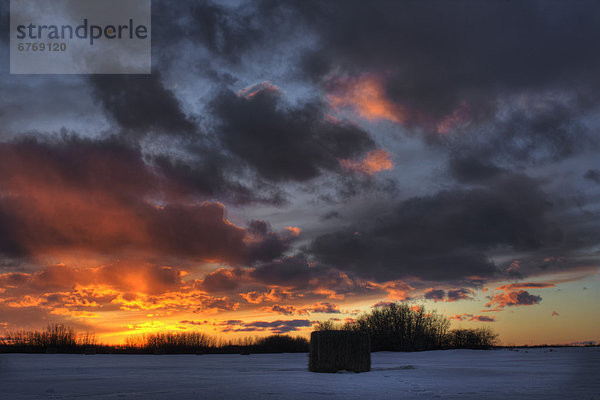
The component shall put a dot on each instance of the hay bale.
(332, 351)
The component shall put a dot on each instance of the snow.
(563, 373)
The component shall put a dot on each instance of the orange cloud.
(525, 285)
(293, 230)
(366, 96)
(514, 295)
(126, 286)
(396, 290)
(375, 161)
(124, 276)
(97, 200)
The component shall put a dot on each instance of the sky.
(289, 162)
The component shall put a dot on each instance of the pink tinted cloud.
(471, 317)
(513, 298)
(375, 161)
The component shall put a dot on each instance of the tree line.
(201, 343)
(58, 338)
(400, 327)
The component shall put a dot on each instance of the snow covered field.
(563, 373)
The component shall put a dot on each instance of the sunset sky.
(288, 162)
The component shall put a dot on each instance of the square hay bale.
(332, 351)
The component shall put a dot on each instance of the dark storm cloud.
(284, 142)
(436, 54)
(470, 169)
(445, 52)
(446, 236)
(141, 103)
(544, 134)
(289, 271)
(330, 215)
(436, 295)
(279, 141)
(515, 78)
(214, 174)
(297, 273)
(206, 175)
(227, 32)
(519, 76)
(269, 245)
